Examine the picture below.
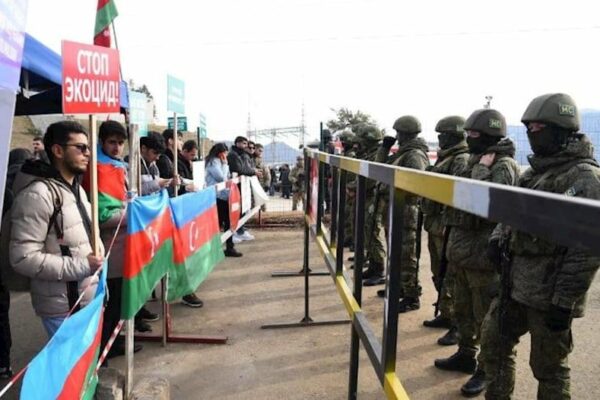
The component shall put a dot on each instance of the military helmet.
(487, 121)
(368, 133)
(554, 108)
(346, 136)
(408, 124)
(451, 124)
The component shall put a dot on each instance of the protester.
(217, 171)
(37, 145)
(151, 147)
(185, 166)
(111, 214)
(241, 164)
(51, 234)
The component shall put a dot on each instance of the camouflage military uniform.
(374, 247)
(475, 277)
(350, 210)
(265, 180)
(451, 161)
(297, 180)
(544, 277)
(411, 154)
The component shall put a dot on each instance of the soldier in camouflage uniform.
(452, 159)
(368, 137)
(476, 279)
(347, 138)
(548, 282)
(297, 180)
(412, 153)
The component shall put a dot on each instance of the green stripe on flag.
(91, 379)
(107, 206)
(185, 278)
(139, 288)
(105, 16)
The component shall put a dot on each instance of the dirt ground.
(302, 363)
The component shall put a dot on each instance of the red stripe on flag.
(193, 235)
(141, 246)
(74, 384)
(111, 181)
(103, 38)
(102, 3)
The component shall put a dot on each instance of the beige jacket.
(34, 248)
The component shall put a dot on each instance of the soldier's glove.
(494, 253)
(558, 318)
(388, 142)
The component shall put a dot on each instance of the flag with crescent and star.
(196, 241)
(148, 249)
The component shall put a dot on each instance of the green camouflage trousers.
(372, 231)
(350, 215)
(473, 291)
(435, 243)
(548, 354)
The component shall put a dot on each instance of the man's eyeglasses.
(82, 147)
(250, 148)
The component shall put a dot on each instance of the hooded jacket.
(34, 246)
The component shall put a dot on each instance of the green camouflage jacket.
(469, 235)
(544, 272)
(450, 161)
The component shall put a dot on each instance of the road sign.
(12, 38)
(137, 111)
(90, 79)
(202, 127)
(181, 123)
(175, 95)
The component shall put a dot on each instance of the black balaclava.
(482, 143)
(448, 139)
(404, 137)
(549, 140)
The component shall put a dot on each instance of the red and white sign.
(235, 206)
(90, 79)
(314, 189)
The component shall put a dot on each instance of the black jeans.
(5, 337)
(112, 311)
(223, 211)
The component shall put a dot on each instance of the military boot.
(409, 304)
(450, 338)
(373, 275)
(438, 322)
(475, 385)
(461, 361)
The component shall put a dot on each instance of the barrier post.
(392, 283)
(321, 186)
(307, 320)
(359, 257)
(339, 210)
(333, 214)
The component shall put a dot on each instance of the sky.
(268, 58)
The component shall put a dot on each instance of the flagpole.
(134, 191)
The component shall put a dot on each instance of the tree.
(348, 119)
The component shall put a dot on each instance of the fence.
(565, 220)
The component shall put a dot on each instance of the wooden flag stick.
(93, 167)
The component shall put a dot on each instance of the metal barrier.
(565, 220)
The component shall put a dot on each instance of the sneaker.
(236, 239)
(6, 372)
(146, 315)
(246, 236)
(409, 304)
(191, 300)
(232, 253)
(374, 281)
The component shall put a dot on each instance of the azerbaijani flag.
(112, 185)
(196, 241)
(66, 367)
(148, 250)
(106, 12)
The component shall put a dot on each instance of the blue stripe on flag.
(191, 205)
(145, 209)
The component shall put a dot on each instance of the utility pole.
(488, 101)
